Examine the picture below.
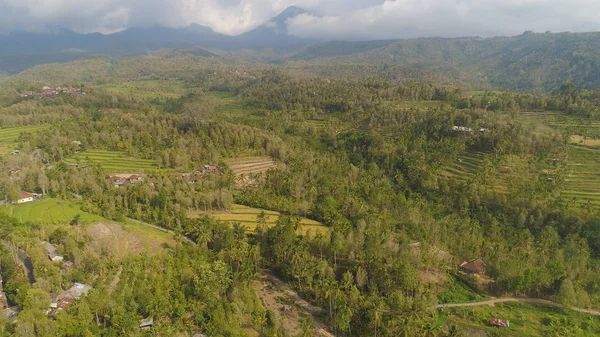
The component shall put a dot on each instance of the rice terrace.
(113, 161)
(249, 217)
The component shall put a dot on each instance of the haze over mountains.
(529, 61)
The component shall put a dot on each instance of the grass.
(49, 211)
(525, 320)
(114, 161)
(458, 292)
(247, 216)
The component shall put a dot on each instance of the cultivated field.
(582, 183)
(150, 89)
(466, 167)
(8, 136)
(113, 161)
(250, 165)
(525, 320)
(247, 216)
(117, 239)
(49, 211)
(583, 178)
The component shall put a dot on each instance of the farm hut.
(147, 323)
(14, 170)
(500, 323)
(15, 152)
(3, 301)
(52, 253)
(475, 267)
(210, 169)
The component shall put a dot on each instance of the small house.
(147, 323)
(14, 170)
(52, 253)
(15, 152)
(3, 300)
(475, 267)
(210, 169)
(68, 265)
(78, 290)
(25, 197)
(135, 179)
(500, 323)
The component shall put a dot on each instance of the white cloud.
(343, 19)
(450, 18)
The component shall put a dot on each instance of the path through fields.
(518, 299)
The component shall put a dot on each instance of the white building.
(25, 197)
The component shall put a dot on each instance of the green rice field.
(247, 216)
(49, 211)
(8, 136)
(113, 161)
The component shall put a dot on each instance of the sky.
(331, 19)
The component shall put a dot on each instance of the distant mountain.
(274, 33)
(529, 61)
(21, 49)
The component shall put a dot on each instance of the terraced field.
(583, 179)
(247, 216)
(466, 167)
(250, 165)
(8, 136)
(113, 161)
(149, 89)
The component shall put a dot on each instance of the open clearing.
(247, 216)
(49, 211)
(113, 161)
(287, 305)
(119, 240)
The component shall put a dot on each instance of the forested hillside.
(530, 61)
(360, 197)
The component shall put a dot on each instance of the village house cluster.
(193, 177)
(50, 92)
(120, 180)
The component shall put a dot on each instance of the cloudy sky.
(334, 19)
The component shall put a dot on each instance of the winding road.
(540, 301)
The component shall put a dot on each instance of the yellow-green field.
(114, 161)
(250, 165)
(585, 141)
(148, 89)
(247, 216)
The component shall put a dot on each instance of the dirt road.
(492, 302)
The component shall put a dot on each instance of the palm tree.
(239, 230)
